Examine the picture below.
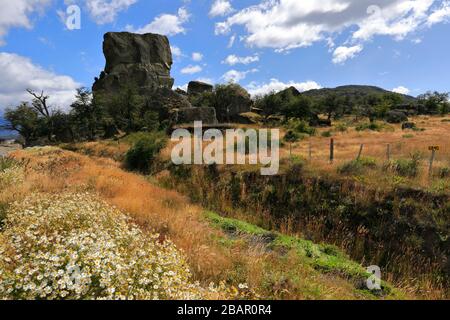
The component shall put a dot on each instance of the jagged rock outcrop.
(197, 87)
(142, 61)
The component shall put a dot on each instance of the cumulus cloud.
(342, 54)
(191, 69)
(104, 11)
(233, 60)
(167, 24)
(20, 73)
(197, 56)
(287, 24)
(236, 76)
(439, 15)
(221, 8)
(176, 51)
(16, 14)
(401, 90)
(275, 86)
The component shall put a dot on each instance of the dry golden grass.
(172, 215)
(402, 145)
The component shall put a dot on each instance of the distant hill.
(354, 92)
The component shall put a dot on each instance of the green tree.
(297, 107)
(23, 119)
(435, 102)
(87, 114)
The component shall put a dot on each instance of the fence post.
(433, 155)
(332, 150)
(388, 152)
(360, 152)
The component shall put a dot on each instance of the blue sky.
(394, 44)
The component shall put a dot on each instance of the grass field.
(283, 268)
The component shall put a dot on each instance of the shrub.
(144, 151)
(408, 136)
(373, 126)
(341, 127)
(300, 126)
(396, 116)
(292, 136)
(444, 172)
(72, 246)
(327, 134)
(406, 167)
(357, 167)
(11, 173)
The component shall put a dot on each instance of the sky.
(264, 45)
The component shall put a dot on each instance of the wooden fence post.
(360, 152)
(332, 150)
(433, 155)
(388, 152)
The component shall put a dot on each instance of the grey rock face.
(197, 87)
(189, 115)
(143, 61)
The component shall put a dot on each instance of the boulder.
(396, 116)
(189, 115)
(142, 61)
(197, 87)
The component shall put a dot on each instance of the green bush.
(6, 163)
(341, 127)
(406, 167)
(300, 126)
(357, 167)
(373, 126)
(327, 134)
(144, 151)
(444, 172)
(293, 136)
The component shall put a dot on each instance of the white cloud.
(231, 41)
(233, 60)
(197, 56)
(287, 24)
(104, 11)
(166, 24)
(16, 14)
(440, 15)
(20, 73)
(237, 76)
(401, 90)
(206, 80)
(275, 86)
(176, 51)
(191, 69)
(221, 8)
(342, 54)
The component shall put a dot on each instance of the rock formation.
(143, 62)
(197, 87)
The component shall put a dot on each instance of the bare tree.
(40, 103)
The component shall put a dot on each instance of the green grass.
(324, 258)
